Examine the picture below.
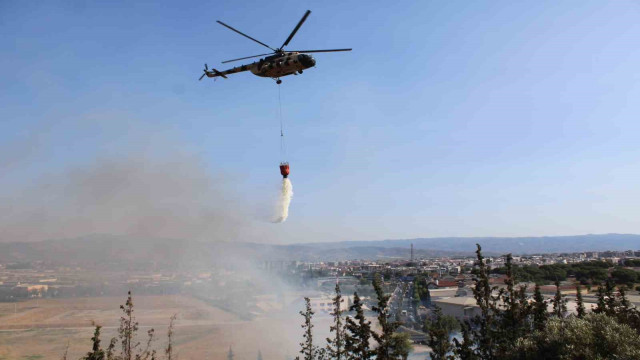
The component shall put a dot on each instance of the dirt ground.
(41, 329)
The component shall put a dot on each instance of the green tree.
(484, 330)
(308, 350)
(128, 329)
(632, 262)
(579, 302)
(358, 333)
(448, 322)
(625, 312)
(96, 352)
(513, 319)
(601, 306)
(559, 302)
(335, 346)
(401, 345)
(464, 349)
(540, 313)
(126, 337)
(607, 303)
(438, 331)
(385, 342)
(623, 276)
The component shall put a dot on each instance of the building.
(462, 308)
(323, 305)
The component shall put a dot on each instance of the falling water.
(284, 201)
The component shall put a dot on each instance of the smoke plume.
(284, 201)
(134, 195)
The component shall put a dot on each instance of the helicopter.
(274, 65)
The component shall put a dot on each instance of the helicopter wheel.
(299, 71)
(278, 81)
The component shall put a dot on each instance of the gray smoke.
(136, 195)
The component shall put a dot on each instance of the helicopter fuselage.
(278, 66)
(274, 66)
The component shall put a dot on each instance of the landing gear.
(299, 71)
(278, 81)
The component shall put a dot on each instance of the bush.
(596, 336)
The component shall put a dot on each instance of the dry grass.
(82, 312)
(41, 329)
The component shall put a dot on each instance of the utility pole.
(411, 252)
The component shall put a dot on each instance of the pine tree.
(484, 330)
(610, 298)
(358, 332)
(438, 337)
(385, 342)
(626, 312)
(464, 349)
(540, 313)
(335, 347)
(601, 307)
(617, 306)
(623, 302)
(513, 320)
(128, 329)
(96, 352)
(559, 302)
(579, 302)
(308, 350)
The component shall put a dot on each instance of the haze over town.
(450, 124)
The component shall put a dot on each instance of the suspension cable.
(283, 147)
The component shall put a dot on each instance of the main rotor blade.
(295, 30)
(245, 35)
(318, 51)
(248, 57)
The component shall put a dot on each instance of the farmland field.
(41, 329)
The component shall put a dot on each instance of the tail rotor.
(206, 72)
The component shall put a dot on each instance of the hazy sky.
(449, 118)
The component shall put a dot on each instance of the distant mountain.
(501, 245)
(110, 252)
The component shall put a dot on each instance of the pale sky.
(449, 118)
